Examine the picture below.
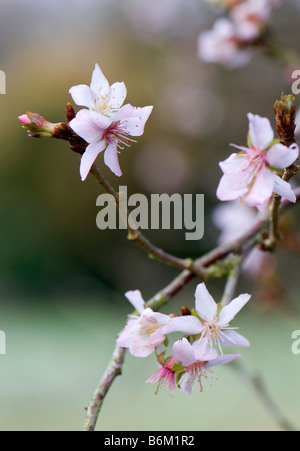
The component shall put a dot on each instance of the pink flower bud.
(37, 125)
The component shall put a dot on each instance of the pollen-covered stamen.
(148, 326)
(197, 370)
(216, 334)
(116, 134)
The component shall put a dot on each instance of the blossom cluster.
(106, 125)
(206, 331)
(254, 173)
(233, 38)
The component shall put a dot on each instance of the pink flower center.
(116, 135)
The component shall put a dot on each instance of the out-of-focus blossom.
(222, 45)
(233, 220)
(143, 333)
(109, 134)
(250, 17)
(227, 4)
(232, 40)
(196, 361)
(212, 322)
(250, 175)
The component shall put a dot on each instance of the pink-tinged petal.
(226, 191)
(157, 337)
(281, 157)
(205, 305)
(262, 188)
(116, 96)
(229, 312)
(233, 338)
(89, 156)
(284, 189)
(86, 128)
(112, 161)
(102, 122)
(185, 324)
(99, 84)
(133, 120)
(186, 383)
(223, 359)
(235, 164)
(136, 299)
(261, 132)
(182, 353)
(24, 119)
(203, 352)
(160, 318)
(82, 96)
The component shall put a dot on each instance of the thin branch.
(231, 285)
(163, 297)
(114, 367)
(265, 398)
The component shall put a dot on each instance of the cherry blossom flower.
(250, 17)
(100, 97)
(165, 376)
(143, 333)
(212, 322)
(196, 361)
(109, 134)
(222, 45)
(250, 175)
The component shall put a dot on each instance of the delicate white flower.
(222, 45)
(213, 322)
(100, 97)
(250, 173)
(250, 17)
(196, 360)
(109, 134)
(143, 333)
(234, 219)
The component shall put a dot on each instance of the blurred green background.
(61, 279)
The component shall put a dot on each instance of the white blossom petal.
(89, 156)
(86, 128)
(233, 338)
(99, 83)
(111, 160)
(261, 132)
(223, 359)
(82, 96)
(281, 157)
(205, 305)
(185, 324)
(182, 352)
(229, 312)
(136, 299)
(284, 189)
